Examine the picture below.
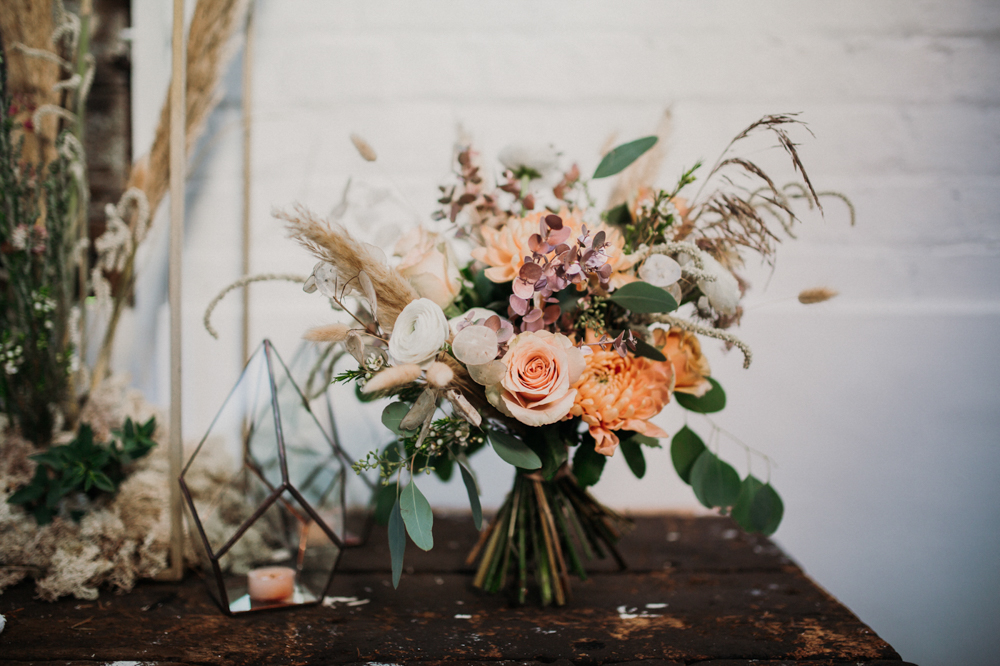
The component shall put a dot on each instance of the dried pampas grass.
(364, 148)
(209, 48)
(331, 243)
(394, 377)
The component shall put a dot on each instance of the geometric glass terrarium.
(354, 431)
(265, 493)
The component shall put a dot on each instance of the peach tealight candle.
(271, 583)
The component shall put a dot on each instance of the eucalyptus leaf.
(588, 464)
(646, 350)
(417, 516)
(643, 298)
(713, 401)
(767, 510)
(621, 156)
(397, 542)
(632, 451)
(646, 440)
(392, 416)
(741, 509)
(619, 215)
(385, 497)
(685, 448)
(715, 483)
(473, 490)
(514, 451)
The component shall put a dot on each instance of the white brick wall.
(881, 407)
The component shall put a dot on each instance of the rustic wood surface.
(697, 591)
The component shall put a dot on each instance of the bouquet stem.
(547, 527)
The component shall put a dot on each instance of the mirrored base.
(243, 603)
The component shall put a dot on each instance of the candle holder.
(269, 521)
(313, 368)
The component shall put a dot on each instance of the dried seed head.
(330, 333)
(816, 295)
(439, 374)
(397, 375)
(364, 148)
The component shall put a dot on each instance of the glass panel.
(283, 559)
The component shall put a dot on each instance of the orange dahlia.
(505, 248)
(615, 393)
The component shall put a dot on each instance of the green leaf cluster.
(83, 466)
(755, 505)
(588, 464)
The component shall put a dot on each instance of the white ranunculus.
(419, 333)
(724, 291)
(541, 159)
(660, 270)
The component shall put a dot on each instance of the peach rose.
(683, 351)
(541, 368)
(429, 264)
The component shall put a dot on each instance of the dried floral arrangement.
(53, 278)
(556, 343)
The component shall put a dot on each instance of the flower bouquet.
(555, 343)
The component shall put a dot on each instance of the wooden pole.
(178, 169)
(247, 174)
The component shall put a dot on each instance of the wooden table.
(698, 591)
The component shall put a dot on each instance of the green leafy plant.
(83, 466)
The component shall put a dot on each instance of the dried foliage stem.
(707, 331)
(243, 282)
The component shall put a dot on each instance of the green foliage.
(417, 516)
(618, 159)
(715, 483)
(397, 541)
(652, 222)
(385, 497)
(713, 401)
(83, 466)
(685, 448)
(758, 507)
(473, 490)
(644, 298)
(643, 348)
(588, 464)
(514, 451)
(632, 450)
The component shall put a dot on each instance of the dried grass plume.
(364, 148)
(816, 295)
(332, 243)
(329, 333)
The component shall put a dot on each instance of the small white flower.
(660, 270)
(419, 333)
(19, 237)
(536, 158)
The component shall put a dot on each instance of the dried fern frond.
(332, 243)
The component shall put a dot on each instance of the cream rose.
(541, 367)
(419, 333)
(429, 264)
